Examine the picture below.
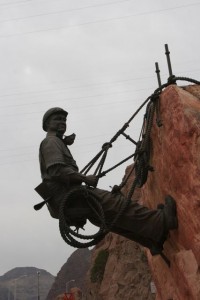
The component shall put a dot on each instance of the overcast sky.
(96, 59)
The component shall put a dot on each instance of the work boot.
(170, 214)
(170, 222)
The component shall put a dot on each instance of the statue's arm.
(68, 176)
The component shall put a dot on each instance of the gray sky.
(95, 59)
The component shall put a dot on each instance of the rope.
(70, 236)
(64, 222)
(115, 166)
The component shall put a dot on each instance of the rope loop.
(189, 80)
(71, 215)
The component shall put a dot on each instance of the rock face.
(176, 159)
(126, 274)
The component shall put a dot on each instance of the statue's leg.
(146, 225)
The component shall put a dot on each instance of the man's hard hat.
(49, 113)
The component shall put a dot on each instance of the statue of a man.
(60, 173)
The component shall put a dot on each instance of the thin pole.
(15, 290)
(38, 284)
(158, 74)
(168, 60)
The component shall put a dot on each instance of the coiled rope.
(64, 223)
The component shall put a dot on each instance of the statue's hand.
(91, 180)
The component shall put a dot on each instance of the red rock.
(126, 275)
(176, 160)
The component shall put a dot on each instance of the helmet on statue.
(51, 112)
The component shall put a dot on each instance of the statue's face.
(57, 123)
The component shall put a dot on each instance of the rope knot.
(172, 79)
(155, 96)
(106, 146)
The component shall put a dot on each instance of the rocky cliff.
(126, 274)
(176, 162)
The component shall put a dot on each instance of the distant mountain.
(72, 273)
(24, 283)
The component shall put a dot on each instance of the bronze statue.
(60, 173)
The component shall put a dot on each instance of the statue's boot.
(170, 214)
(170, 221)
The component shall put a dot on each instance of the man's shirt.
(54, 156)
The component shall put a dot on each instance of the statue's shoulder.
(51, 140)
